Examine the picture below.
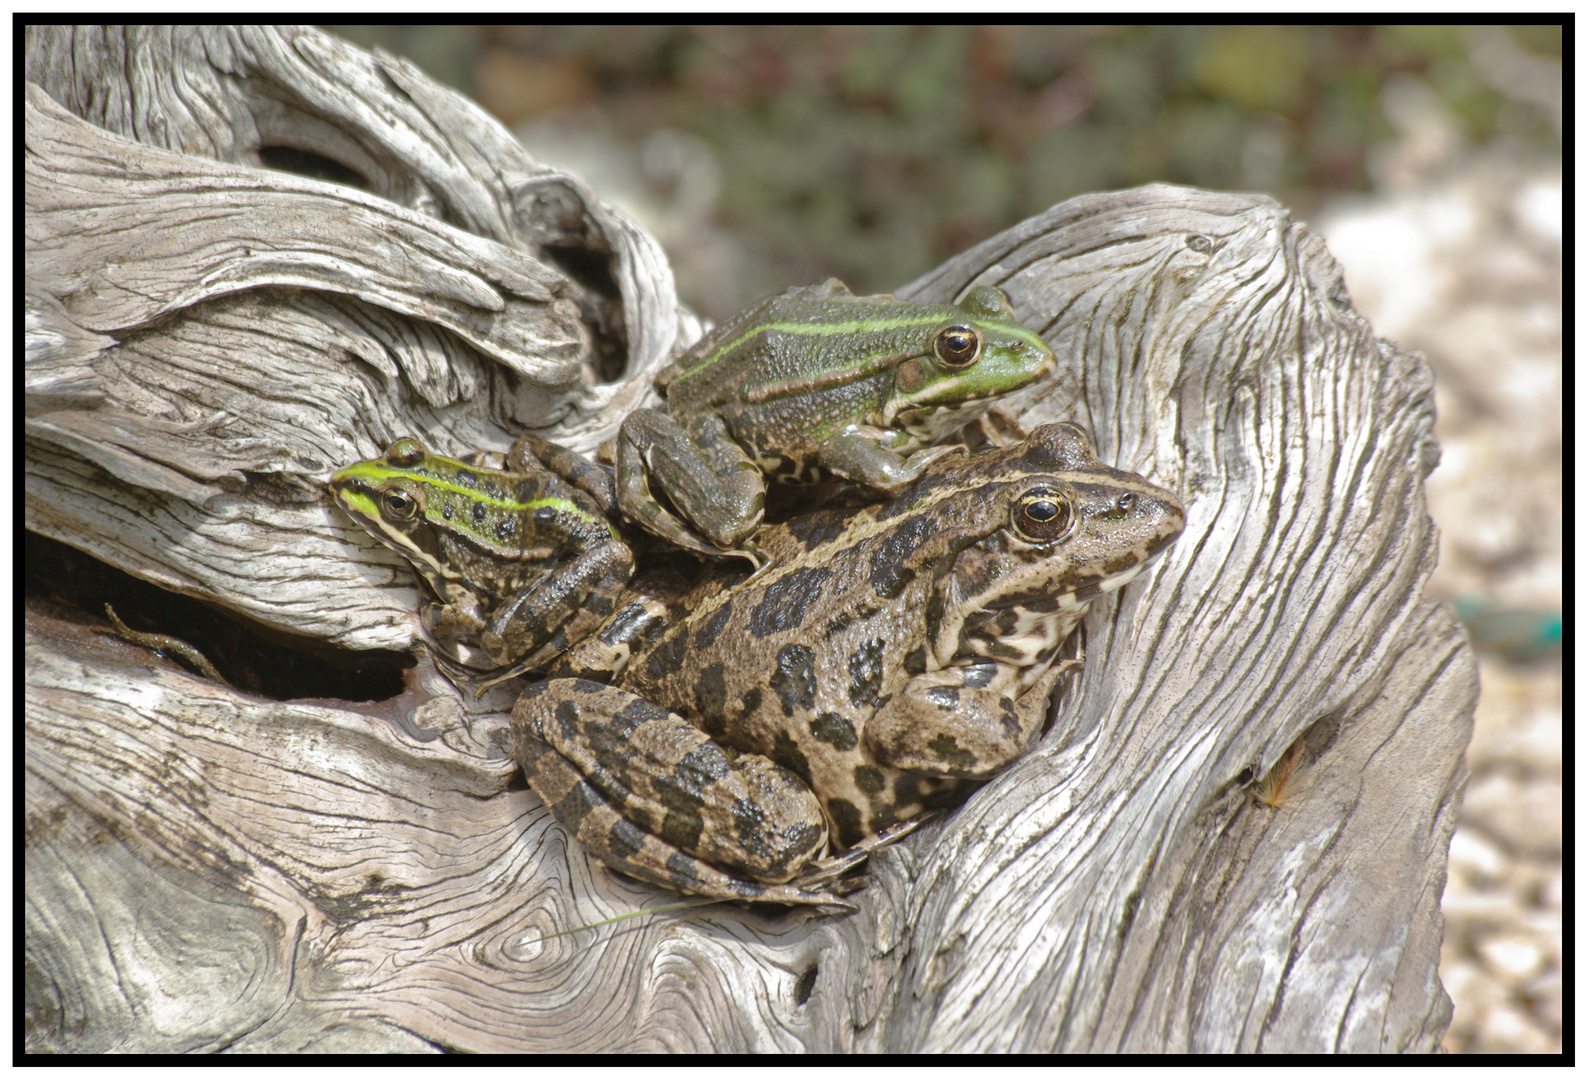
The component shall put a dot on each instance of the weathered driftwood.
(206, 869)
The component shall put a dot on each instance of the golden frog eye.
(1042, 515)
(398, 504)
(405, 453)
(957, 346)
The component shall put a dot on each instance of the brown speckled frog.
(890, 658)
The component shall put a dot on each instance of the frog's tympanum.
(814, 384)
(519, 563)
(888, 659)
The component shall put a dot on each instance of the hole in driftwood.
(254, 658)
(602, 306)
(1277, 788)
(804, 985)
(312, 165)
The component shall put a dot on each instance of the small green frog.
(888, 659)
(519, 563)
(814, 383)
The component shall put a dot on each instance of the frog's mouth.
(937, 411)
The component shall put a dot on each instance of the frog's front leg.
(999, 428)
(535, 624)
(705, 475)
(655, 797)
(966, 721)
(863, 457)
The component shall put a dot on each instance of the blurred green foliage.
(874, 153)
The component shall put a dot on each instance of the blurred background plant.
(1429, 157)
(875, 153)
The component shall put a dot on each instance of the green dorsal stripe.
(375, 473)
(849, 327)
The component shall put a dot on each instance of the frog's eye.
(405, 453)
(398, 504)
(957, 346)
(1042, 515)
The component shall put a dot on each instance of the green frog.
(815, 383)
(519, 562)
(885, 661)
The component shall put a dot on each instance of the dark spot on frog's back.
(787, 601)
(572, 808)
(683, 869)
(713, 626)
(902, 503)
(846, 821)
(908, 789)
(711, 699)
(813, 530)
(624, 840)
(681, 827)
(668, 657)
(567, 714)
(868, 781)
(750, 704)
(865, 672)
(786, 752)
(948, 750)
(849, 616)
(795, 678)
(535, 690)
(889, 575)
(834, 730)
(636, 712)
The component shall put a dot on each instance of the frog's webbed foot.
(857, 456)
(825, 871)
(759, 557)
(708, 479)
(830, 289)
(918, 461)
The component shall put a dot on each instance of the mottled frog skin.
(813, 384)
(519, 562)
(889, 658)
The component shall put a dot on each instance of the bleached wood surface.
(206, 869)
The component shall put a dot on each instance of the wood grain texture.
(210, 870)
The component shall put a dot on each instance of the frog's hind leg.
(655, 798)
(593, 480)
(563, 608)
(705, 475)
